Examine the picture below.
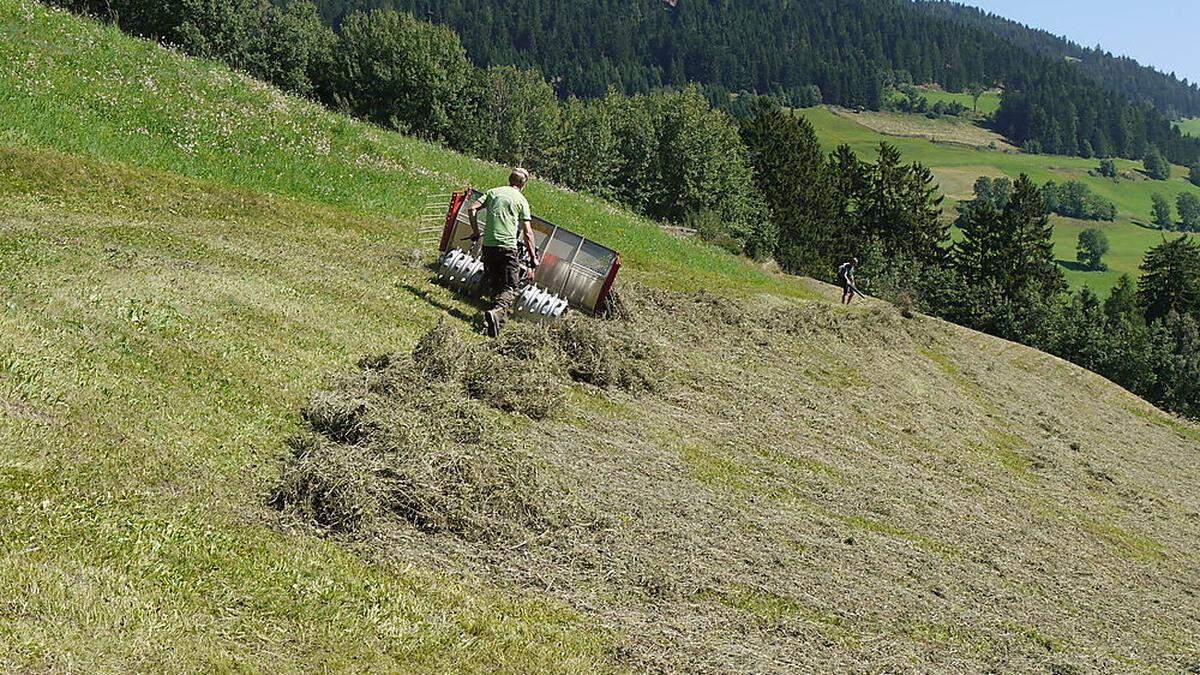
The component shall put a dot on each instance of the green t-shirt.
(506, 208)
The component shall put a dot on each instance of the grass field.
(1190, 126)
(957, 168)
(989, 102)
(185, 253)
(186, 256)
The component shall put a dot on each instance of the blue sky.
(1161, 33)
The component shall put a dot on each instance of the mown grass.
(889, 530)
(1004, 448)
(956, 169)
(714, 468)
(1123, 542)
(771, 608)
(150, 363)
(1185, 429)
(185, 254)
(171, 292)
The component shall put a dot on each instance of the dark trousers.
(501, 276)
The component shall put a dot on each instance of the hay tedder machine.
(575, 273)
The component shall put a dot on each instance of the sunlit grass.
(146, 106)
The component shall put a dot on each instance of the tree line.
(846, 53)
(1057, 111)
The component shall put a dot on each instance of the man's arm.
(527, 232)
(473, 216)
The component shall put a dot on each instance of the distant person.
(507, 212)
(845, 277)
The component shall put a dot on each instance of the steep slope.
(186, 255)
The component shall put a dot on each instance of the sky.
(1160, 33)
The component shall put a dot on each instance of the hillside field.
(957, 168)
(1190, 126)
(196, 269)
(989, 101)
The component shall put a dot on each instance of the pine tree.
(1171, 279)
(1162, 212)
(790, 173)
(1011, 249)
(1025, 216)
(1157, 166)
(1188, 205)
(901, 208)
(1122, 302)
(849, 176)
(1177, 385)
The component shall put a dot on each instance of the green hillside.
(957, 168)
(1190, 126)
(187, 255)
(989, 101)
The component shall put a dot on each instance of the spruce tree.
(1011, 249)
(1025, 215)
(1188, 205)
(1162, 212)
(902, 209)
(790, 173)
(1157, 166)
(1171, 279)
(1122, 302)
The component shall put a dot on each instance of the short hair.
(518, 178)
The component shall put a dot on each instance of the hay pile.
(422, 437)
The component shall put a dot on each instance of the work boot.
(491, 323)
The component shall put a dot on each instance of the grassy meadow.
(1190, 126)
(957, 168)
(989, 101)
(186, 256)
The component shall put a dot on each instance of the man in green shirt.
(507, 214)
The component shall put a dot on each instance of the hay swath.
(576, 272)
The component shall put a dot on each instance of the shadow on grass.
(1147, 226)
(1074, 266)
(442, 305)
